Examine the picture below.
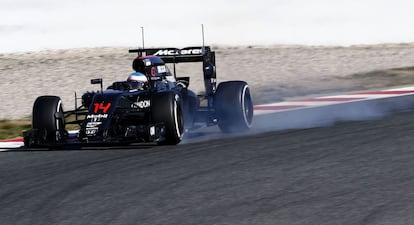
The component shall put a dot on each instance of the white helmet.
(137, 80)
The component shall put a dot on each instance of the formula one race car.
(153, 105)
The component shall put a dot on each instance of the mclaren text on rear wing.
(175, 55)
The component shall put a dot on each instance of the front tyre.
(167, 110)
(48, 121)
(233, 106)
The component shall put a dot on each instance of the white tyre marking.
(249, 125)
(57, 110)
(177, 127)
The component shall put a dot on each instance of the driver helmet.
(137, 80)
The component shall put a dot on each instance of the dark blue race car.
(153, 105)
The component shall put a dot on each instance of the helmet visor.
(135, 85)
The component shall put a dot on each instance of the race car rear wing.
(176, 55)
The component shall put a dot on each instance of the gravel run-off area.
(274, 73)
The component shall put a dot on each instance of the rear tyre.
(233, 106)
(48, 120)
(167, 110)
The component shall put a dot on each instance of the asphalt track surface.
(350, 173)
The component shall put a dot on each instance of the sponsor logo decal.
(141, 104)
(172, 52)
(161, 69)
(91, 131)
(147, 62)
(96, 117)
(93, 124)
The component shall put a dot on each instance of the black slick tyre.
(233, 106)
(167, 110)
(48, 120)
